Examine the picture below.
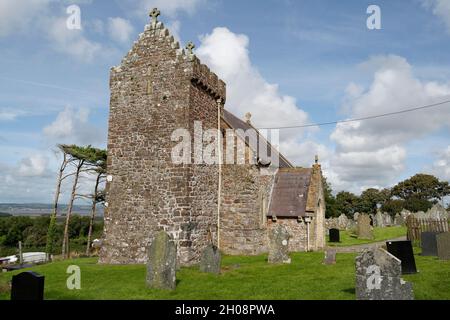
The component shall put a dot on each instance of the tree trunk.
(94, 206)
(52, 225)
(65, 245)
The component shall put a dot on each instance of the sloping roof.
(290, 193)
(237, 123)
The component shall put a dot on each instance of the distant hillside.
(37, 209)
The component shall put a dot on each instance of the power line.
(361, 119)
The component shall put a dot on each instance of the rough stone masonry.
(157, 89)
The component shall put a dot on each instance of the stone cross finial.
(248, 117)
(155, 14)
(190, 47)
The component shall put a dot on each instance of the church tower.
(157, 89)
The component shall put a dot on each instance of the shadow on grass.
(350, 290)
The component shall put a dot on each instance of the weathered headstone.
(342, 222)
(443, 245)
(335, 235)
(387, 220)
(28, 286)
(355, 216)
(330, 257)
(399, 220)
(279, 245)
(378, 277)
(211, 259)
(428, 243)
(379, 219)
(404, 252)
(364, 230)
(437, 212)
(162, 262)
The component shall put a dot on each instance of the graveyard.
(241, 278)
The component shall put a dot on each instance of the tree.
(80, 157)
(51, 233)
(371, 199)
(330, 200)
(346, 203)
(98, 196)
(393, 206)
(421, 186)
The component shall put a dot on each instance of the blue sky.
(287, 62)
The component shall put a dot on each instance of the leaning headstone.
(335, 235)
(428, 243)
(404, 252)
(378, 277)
(330, 257)
(379, 219)
(279, 245)
(28, 286)
(443, 245)
(211, 259)
(162, 262)
(364, 230)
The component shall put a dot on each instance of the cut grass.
(243, 278)
(380, 234)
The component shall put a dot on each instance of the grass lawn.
(242, 278)
(380, 234)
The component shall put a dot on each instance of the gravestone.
(428, 243)
(443, 245)
(379, 219)
(378, 277)
(342, 222)
(162, 262)
(404, 252)
(399, 220)
(28, 286)
(211, 259)
(387, 220)
(279, 245)
(335, 235)
(355, 216)
(330, 257)
(437, 212)
(364, 230)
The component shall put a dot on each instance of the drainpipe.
(219, 189)
(307, 221)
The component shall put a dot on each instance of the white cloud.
(72, 126)
(18, 16)
(373, 152)
(120, 30)
(7, 114)
(72, 42)
(440, 8)
(226, 53)
(33, 166)
(441, 167)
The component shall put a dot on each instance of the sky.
(286, 62)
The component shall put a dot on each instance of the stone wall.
(157, 89)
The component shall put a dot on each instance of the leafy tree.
(330, 200)
(393, 206)
(81, 157)
(421, 186)
(417, 204)
(346, 202)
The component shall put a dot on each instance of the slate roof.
(237, 123)
(290, 193)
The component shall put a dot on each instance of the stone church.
(158, 88)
